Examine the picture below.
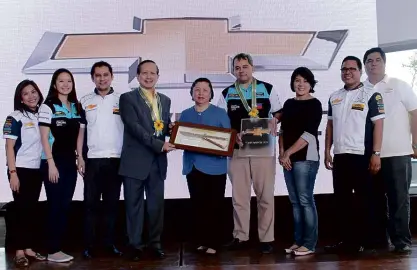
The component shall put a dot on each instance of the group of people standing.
(126, 143)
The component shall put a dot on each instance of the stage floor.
(181, 256)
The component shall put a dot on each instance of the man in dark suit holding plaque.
(146, 117)
(249, 98)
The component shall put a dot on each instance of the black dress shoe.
(266, 247)
(112, 250)
(87, 253)
(158, 253)
(236, 244)
(136, 255)
(403, 250)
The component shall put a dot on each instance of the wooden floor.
(181, 256)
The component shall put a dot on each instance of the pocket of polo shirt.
(91, 115)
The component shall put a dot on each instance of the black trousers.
(25, 204)
(207, 194)
(395, 175)
(355, 212)
(101, 180)
(59, 196)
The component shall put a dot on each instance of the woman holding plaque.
(299, 155)
(205, 173)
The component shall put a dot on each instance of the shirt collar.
(384, 80)
(357, 87)
(109, 93)
(147, 92)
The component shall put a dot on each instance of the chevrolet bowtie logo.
(186, 48)
(256, 131)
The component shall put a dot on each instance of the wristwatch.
(376, 153)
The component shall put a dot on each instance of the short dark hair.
(374, 50)
(306, 74)
(100, 64)
(243, 56)
(18, 104)
(353, 58)
(202, 80)
(144, 62)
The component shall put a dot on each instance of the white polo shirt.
(24, 129)
(352, 113)
(104, 125)
(399, 100)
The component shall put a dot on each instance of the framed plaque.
(203, 139)
(257, 138)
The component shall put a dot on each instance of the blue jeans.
(300, 184)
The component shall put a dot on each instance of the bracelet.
(12, 171)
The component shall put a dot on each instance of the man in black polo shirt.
(247, 98)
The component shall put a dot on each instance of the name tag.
(358, 106)
(116, 110)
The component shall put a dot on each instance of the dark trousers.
(101, 179)
(354, 211)
(396, 175)
(134, 190)
(59, 196)
(25, 204)
(207, 194)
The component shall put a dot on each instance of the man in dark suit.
(146, 117)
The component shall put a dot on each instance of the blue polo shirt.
(64, 125)
(208, 164)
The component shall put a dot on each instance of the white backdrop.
(24, 22)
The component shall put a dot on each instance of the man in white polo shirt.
(104, 142)
(398, 145)
(354, 128)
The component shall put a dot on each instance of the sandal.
(37, 257)
(302, 251)
(202, 249)
(291, 249)
(21, 261)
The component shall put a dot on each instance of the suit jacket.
(140, 146)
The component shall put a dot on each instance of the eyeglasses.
(352, 69)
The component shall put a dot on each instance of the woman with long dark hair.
(299, 155)
(23, 153)
(60, 122)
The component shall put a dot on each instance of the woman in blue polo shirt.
(60, 121)
(23, 153)
(206, 174)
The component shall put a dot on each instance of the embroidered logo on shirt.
(29, 125)
(234, 107)
(61, 123)
(358, 106)
(59, 113)
(336, 101)
(90, 107)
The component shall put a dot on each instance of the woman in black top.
(299, 155)
(60, 120)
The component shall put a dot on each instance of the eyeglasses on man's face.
(350, 69)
